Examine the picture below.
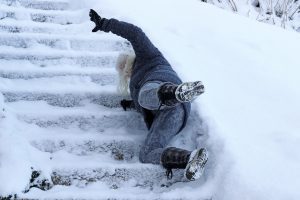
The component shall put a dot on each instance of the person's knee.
(140, 98)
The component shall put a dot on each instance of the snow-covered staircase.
(60, 80)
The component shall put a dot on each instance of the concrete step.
(98, 123)
(84, 172)
(87, 117)
(10, 25)
(38, 4)
(56, 85)
(116, 147)
(93, 43)
(102, 77)
(81, 171)
(60, 57)
(105, 76)
(114, 175)
(45, 16)
(106, 193)
(64, 91)
(99, 131)
(67, 99)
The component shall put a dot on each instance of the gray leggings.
(166, 124)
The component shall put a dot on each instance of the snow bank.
(250, 71)
(14, 159)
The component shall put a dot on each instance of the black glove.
(94, 17)
(127, 104)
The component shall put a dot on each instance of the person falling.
(159, 95)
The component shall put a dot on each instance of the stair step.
(102, 77)
(129, 192)
(95, 43)
(56, 85)
(99, 130)
(67, 169)
(120, 148)
(144, 175)
(15, 26)
(65, 91)
(88, 117)
(82, 171)
(94, 193)
(116, 176)
(60, 57)
(68, 99)
(38, 4)
(98, 123)
(46, 16)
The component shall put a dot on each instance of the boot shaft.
(166, 94)
(175, 158)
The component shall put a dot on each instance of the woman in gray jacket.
(160, 96)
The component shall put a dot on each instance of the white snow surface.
(250, 107)
(251, 74)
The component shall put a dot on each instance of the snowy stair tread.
(120, 148)
(38, 4)
(144, 175)
(60, 57)
(68, 98)
(88, 122)
(49, 17)
(102, 77)
(58, 84)
(14, 26)
(66, 42)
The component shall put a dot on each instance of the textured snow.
(251, 74)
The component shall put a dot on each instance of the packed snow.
(251, 73)
(250, 109)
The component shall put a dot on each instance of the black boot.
(174, 158)
(170, 94)
(192, 161)
(166, 94)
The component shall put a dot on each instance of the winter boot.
(192, 162)
(170, 94)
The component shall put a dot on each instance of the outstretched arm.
(141, 44)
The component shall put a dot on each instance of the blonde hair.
(124, 67)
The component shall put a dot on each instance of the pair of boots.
(175, 158)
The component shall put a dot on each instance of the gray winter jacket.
(149, 65)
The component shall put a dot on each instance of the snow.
(250, 108)
(250, 71)
(13, 160)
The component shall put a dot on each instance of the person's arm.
(141, 44)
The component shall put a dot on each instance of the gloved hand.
(94, 17)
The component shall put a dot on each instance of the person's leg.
(166, 125)
(148, 95)
(155, 93)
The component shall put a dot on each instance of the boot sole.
(188, 91)
(196, 164)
